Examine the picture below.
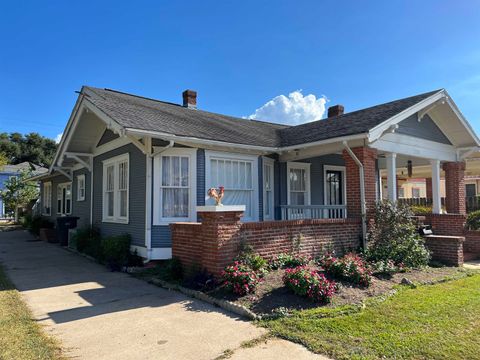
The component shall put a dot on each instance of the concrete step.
(468, 256)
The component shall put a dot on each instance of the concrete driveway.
(99, 314)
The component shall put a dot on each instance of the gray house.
(132, 164)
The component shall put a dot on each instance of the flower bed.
(239, 279)
(309, 283)
(351, 268)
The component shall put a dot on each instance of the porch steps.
(469, 256)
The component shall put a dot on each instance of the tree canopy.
(31, 147)
(18, 192)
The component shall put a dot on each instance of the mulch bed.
(272, 294)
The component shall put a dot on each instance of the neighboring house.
(132, 164)
(9, 171)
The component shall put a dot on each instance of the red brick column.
(455, 187)
(428, 183)
(220, 233)
(367, 157)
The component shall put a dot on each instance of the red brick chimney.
(190, 99)
(335, 110)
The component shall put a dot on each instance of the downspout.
(363, 206)
(148, 193)
(91, 191)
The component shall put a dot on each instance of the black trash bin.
(64, 223)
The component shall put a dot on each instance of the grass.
(439, 321)
(20, 336)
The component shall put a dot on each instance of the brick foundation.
(213, 244)
(446, 249)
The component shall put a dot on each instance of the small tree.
(393, 236)
(19, 192)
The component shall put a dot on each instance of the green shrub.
(393, 236)
(421, 209)
(39, 222)
(87, 240)
(473, 220)
(170, 270)
(284, 260)
(116, 251)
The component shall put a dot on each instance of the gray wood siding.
(425, 129)
(137, 181)
(81, 208)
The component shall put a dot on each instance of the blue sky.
(237, 55)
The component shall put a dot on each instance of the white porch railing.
(299, 212)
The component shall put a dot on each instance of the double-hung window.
(238, 174)
(268, 204)
(81, 187)
(175, 185)
(47, 199)
(298, 183)
(64, 198)
(115, 189)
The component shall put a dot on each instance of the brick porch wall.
(446, 224)
(446, 249)
(472, 242)
(214, 243)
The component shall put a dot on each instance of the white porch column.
(437, 201)
(392, 176)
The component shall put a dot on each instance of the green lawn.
(430, 322)
(20, 336)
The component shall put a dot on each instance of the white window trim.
(271, 162)
(79, 177)
(49, 213)
(157, 193)
(116, 218)
(64, 185)
(209, 155)
(299, 165)
(344, 181)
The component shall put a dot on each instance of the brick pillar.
(367, 157)
(428, 184)
(220, 240)
(455, 187)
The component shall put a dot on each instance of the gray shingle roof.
(147, 114)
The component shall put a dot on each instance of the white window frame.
(344, 181)
(209, 155)
(81, 177)
(47, 199)
(116, 218)
(61, 186)
(303, 166)
(158, 218)
(269, 162)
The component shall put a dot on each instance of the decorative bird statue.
(216, 195)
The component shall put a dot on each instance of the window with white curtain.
(268, 201)
(115, 189)
(175, 185)
(298, 183)
(239, 175)
(47, 199)
(81, 187)
(64, 198)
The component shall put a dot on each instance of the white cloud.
(294, 109)
(58, 138)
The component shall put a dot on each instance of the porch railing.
(299, 212)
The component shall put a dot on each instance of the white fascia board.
(325, 142)
(407, 145)
(376, 132)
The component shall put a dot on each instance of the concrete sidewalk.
(99, 314)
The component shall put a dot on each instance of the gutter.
(363, 205)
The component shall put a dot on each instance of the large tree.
(31, 147)
(19, 192)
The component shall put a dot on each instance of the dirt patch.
(272, 294)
